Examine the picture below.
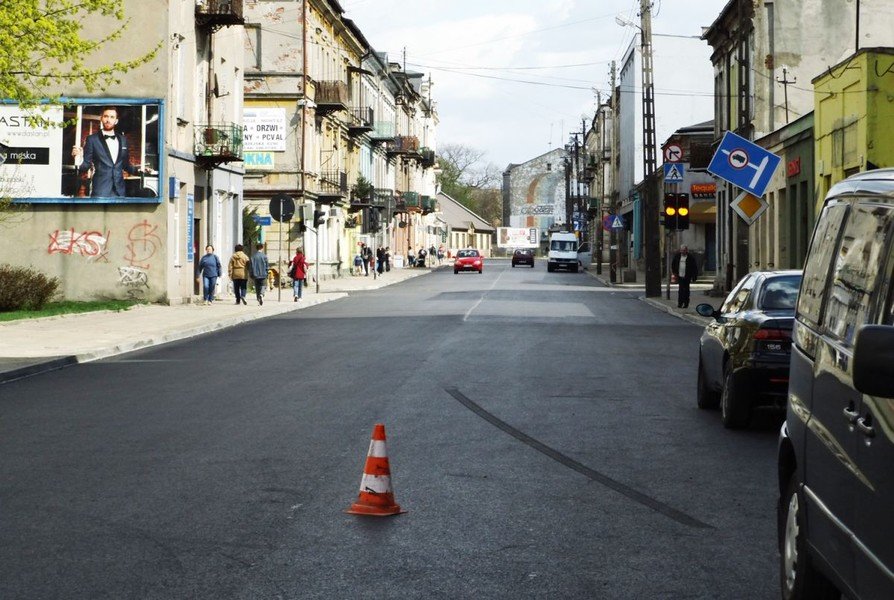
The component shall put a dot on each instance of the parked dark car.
(836, 449)
(744, 352)
(523, 256)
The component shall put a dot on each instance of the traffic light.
(319, 217)
(670, 211)
(682, 211)
(374, 223)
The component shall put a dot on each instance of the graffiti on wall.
(90, 244)
(142, 244)
(135, 281)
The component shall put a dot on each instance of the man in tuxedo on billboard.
(105, 158)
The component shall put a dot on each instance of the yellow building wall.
(854, 106)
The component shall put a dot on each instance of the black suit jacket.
(691, 267)
(108, 176)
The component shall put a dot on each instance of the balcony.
(405, 145)
(428, 157)
(382, 131)
(383, 198)
(361, 121)
(219, 13)
(331, 96)
(217, 143)
(333, 187)
(412, 201)
(429, 205)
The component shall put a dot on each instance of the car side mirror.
(706, 310)
(873, 357)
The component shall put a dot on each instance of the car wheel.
(798, 578)
(455, 272)
(574, 269)
(735, 411)
(705, 396)
(549, 268)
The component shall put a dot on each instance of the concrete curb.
(42, 366)
(164, 338)
(695, 319)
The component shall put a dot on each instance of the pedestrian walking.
(684, 267)
(420, 257)
(387, 259)
(298, 272)
(237, 270)
(380, 260)
(365, 254)
(358, 265)
(411, 257)
(440, 254)
(259, 269)
(209, 270)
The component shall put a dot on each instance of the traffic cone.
(376, 497)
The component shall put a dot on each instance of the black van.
(836, 449)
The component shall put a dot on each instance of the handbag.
(292, 271)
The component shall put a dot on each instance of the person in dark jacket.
(259, 269)
(209, 270)
(685, 268)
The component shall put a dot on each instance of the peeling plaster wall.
(539, 183)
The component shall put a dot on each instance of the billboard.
(98, 152)
(518, 237)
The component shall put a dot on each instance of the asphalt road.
(542, 435)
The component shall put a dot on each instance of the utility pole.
(613, 234)
(785, 83)
(650, 200)
(600, 181)
(568, 207)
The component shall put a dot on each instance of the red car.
(468, 260)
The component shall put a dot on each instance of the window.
(816, 270)
(780, 293)
(856, 270)
(739, 295)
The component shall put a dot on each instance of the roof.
(459, 217)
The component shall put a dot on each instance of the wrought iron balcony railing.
(333, 186)
(218, 142)
(361, 121)
(219, 13)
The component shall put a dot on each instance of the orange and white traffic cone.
(376, 497)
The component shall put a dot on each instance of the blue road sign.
(263, 221)
(673, 172)
(743, 164)
(617, 222)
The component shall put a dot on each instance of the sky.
(514, 78)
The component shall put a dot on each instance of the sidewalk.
(32, 346)
(697, 295)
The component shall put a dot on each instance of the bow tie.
(109, 137)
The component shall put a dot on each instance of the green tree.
(43, 48)
(466, 178)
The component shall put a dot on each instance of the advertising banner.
(95, 152)
(264, 129)
(518, 237)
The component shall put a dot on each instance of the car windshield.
(466, 253)
(780, 293)
(562, 245)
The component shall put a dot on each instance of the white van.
(562, 252)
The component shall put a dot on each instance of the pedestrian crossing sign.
(673, 172)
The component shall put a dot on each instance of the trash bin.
(398, 261)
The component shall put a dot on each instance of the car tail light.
(775, 335)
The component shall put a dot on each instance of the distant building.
(465, 229)
(534, 192)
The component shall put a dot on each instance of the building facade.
(178, 121)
